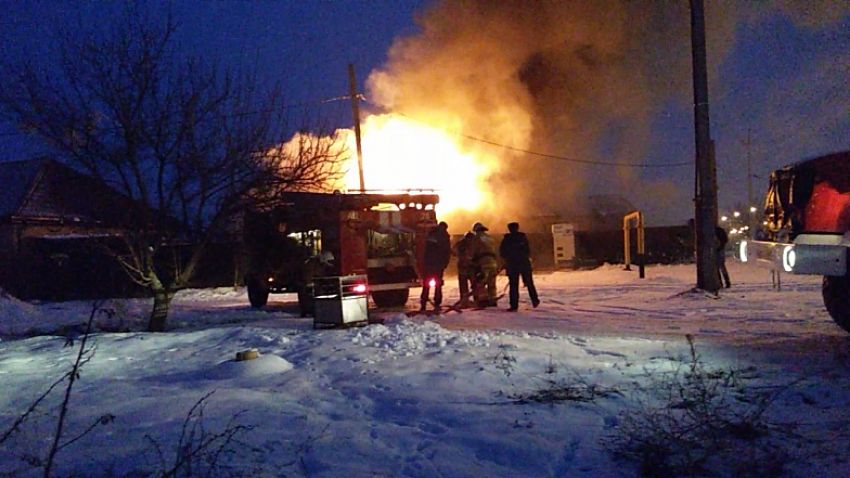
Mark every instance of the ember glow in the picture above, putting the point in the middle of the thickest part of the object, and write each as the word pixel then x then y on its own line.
pixel 400 154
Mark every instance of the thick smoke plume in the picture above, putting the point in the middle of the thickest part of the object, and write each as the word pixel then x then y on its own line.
pixel 581 79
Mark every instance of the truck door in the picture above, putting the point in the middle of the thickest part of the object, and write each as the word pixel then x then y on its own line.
pixel 352 243
pixel 424 221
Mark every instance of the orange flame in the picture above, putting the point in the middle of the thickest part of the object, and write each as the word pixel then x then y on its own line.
pixel 400 154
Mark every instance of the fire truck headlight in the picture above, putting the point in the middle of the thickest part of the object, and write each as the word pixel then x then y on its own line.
pixel 742 251
pixel 271 279
pixel 789 258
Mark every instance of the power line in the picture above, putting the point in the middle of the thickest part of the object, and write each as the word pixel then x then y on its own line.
pixel 456 133
pixel 287 107
pixel 572 160
pixel 542 155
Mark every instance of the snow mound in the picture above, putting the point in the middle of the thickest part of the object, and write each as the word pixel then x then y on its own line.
pixel 258 367
pixel 405 337
pixel 17 315
pixel 209 294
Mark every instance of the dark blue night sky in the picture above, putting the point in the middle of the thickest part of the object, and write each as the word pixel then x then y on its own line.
pixel 306 46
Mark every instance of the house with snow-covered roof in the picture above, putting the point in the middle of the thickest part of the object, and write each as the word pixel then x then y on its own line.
pixel 54 222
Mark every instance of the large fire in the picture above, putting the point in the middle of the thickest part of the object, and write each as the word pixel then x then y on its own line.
pixel 402 154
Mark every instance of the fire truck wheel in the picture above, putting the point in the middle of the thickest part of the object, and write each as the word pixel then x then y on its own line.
pixel 391 298
pixel 836 297
pixel 258 293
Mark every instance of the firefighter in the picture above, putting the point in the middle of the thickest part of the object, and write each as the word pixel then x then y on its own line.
pixel 465 269
pixel 486 266
pixel 438 251
pixel 515 252
pixel 315 266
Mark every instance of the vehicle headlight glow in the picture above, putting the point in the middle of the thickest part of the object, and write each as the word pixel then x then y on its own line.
pixel 789 258
pixel 742 251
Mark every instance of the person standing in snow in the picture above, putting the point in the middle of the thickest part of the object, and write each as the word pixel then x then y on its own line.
pixel 515 252
pixel 313 267
pixel 486 265
pixel 720 252
pixel 465 269
pixel 438 251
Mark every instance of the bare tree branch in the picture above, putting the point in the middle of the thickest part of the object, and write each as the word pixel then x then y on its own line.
pixel 188 140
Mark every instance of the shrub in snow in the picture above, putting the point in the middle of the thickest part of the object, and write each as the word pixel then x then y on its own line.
pixel 695 420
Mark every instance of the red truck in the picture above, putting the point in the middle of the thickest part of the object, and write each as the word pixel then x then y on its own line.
pixel 378 235
pixel 807 227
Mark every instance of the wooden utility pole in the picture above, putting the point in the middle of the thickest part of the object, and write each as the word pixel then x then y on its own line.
pixel 705 219
pixel 750 225
pixel 355 108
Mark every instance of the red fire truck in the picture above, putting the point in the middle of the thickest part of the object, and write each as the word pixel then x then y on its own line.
pixel 378 235
pixel 807 228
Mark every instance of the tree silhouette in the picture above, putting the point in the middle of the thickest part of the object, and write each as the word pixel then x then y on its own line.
pixel 188 141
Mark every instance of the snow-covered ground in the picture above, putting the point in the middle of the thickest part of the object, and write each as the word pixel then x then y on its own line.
pixel 604 364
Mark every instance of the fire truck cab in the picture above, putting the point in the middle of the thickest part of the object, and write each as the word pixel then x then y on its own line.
pixel 807 228
pixel 378 235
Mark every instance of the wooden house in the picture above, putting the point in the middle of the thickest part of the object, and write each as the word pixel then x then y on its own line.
pixel 54 225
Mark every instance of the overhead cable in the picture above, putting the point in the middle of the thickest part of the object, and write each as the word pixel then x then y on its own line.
pixel 542 155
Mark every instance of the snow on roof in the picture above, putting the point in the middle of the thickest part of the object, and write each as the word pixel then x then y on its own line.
pixel 44 188
pixel 16 179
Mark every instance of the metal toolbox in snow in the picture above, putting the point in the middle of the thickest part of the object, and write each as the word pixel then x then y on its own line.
pixel 341 300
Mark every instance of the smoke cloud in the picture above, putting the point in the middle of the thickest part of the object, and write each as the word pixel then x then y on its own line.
pixel 581 79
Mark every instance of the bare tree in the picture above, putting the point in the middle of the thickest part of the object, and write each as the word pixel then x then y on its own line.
pixel 186 140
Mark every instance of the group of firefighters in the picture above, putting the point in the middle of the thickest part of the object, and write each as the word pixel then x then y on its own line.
pixel 477 266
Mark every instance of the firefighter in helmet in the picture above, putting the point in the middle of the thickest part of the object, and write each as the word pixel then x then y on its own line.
pixel 486 266
pixel 465 268
pixel 435 260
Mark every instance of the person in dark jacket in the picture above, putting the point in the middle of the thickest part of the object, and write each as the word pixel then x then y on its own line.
pixel 515 253
pixel 465 268
pixel 438 252
pixel 720 252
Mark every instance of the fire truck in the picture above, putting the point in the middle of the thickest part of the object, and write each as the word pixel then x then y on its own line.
pixel 381 236
pixel 807 228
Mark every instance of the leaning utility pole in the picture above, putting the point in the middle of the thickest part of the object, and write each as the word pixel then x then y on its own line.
pixel 355 108
pixel 705 219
